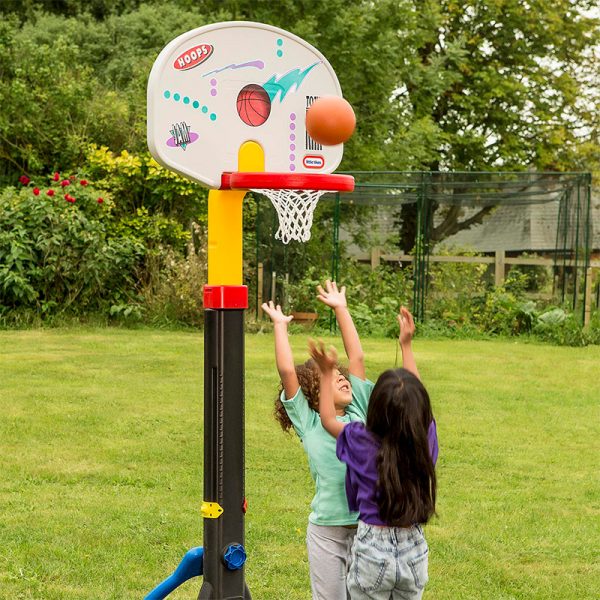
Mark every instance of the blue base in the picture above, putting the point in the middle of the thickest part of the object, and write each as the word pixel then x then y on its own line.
pixel 190 566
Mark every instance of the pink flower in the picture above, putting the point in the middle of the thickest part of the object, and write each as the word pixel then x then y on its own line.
pixel 100 200
pixel 65 182
pixel 24 179
pixel 56 176
pixel 83 182
pixel 36 191
pixel 50 193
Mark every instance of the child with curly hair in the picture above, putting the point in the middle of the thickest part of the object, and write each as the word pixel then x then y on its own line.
pixel 390 476
pixel 331 524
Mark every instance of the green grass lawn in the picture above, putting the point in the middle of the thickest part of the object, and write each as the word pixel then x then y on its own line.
pixel 101 467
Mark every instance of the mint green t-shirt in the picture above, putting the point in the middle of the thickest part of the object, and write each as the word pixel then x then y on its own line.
pixel 329 505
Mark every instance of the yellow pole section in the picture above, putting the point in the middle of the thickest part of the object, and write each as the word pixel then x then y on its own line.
pixel 225 222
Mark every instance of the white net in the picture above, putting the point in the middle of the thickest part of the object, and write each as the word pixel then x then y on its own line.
pixel 295 210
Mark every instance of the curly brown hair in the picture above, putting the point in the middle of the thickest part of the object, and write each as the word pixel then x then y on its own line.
pixel 309 378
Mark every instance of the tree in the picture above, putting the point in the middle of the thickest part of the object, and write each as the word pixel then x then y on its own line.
pixel 436 84
pixel 500 84
pixel 99 9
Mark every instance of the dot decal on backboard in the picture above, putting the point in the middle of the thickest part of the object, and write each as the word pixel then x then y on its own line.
pixel 187 100
pixel 253 105
pixel 292 145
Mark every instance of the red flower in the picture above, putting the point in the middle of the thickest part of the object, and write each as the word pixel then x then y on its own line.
pixel 56 176
pixel 69 198
pixel 50 193
pixel 72 177
pixel 36 191
pixel 100 200
pixel 65 182
pixel 83 182
pixel 24 179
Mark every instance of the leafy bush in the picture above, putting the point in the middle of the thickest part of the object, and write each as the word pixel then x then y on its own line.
pixel 561 328
pixel 374 295
pixel 138 181
pixel 531 278
pixel 67 247
pixel 302 295
pixel 503 313
pixel 51 100
pixel 594 329
pixel 58 249
pixel 175 294
pixel 456 290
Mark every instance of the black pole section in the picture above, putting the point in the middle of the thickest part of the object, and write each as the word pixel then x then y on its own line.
pixel 224 553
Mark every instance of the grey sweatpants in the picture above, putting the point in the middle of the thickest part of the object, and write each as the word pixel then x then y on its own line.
pixel 329 559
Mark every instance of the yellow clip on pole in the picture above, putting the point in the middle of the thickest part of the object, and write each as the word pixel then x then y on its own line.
pixel 211 510
pixel 225 222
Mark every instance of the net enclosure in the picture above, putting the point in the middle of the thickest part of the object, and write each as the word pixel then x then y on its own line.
pixel 414 221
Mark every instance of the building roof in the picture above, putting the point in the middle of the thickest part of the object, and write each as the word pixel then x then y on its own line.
pixel 520 228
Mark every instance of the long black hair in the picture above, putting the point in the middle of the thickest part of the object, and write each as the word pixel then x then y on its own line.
pixel 399 416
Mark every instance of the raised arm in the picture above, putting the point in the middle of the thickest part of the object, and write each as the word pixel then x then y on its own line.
pixel 407 332
pixel 283 351
pixel 327 361
pixel 336 299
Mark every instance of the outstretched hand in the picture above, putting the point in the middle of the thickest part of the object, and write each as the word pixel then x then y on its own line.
pixel 331 296
pixel 407 326
pixel 275 312
pixel 326 359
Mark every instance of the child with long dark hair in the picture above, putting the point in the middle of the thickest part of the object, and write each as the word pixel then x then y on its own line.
pixel 390 477
pixel 331 524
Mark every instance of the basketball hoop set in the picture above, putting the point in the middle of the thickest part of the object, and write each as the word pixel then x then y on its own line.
pixel 240 106
pixel 230 83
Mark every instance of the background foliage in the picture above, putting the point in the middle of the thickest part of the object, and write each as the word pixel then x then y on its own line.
pixel 482 84
pixel 436 84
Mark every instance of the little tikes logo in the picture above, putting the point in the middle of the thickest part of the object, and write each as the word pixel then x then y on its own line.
pixel 193 57
pixel 313 161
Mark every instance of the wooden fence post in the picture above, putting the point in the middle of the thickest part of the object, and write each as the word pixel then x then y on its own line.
pixel 259 291
pixel 284 300
pixel 273 286
pixel 375 257
pixel 588 299
pixel 499 268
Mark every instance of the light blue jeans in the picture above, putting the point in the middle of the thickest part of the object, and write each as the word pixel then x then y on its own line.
pixel 388 563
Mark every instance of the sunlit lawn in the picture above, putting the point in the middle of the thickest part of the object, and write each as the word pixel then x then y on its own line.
pixel 101 467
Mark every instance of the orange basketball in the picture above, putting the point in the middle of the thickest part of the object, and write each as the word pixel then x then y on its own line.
pixel 330 120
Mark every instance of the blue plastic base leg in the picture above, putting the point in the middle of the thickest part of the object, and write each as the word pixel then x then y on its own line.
pixel 190 566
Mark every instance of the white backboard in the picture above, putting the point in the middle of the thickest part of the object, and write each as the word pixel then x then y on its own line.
pixel 197 119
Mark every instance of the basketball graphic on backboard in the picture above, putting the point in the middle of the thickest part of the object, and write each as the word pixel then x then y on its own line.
pixel 253 105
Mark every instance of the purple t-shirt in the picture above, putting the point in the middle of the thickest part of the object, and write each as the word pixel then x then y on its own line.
pixel 358 448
